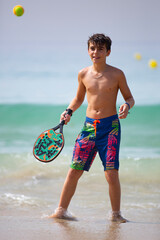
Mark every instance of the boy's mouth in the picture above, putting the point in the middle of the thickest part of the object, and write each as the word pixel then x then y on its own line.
pixel 96 57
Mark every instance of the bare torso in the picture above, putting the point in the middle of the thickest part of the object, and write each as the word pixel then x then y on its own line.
pixel 101 92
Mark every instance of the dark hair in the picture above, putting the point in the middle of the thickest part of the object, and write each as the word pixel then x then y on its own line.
pixel 100 40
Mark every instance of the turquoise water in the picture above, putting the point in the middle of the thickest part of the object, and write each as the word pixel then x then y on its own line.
pixel 20 125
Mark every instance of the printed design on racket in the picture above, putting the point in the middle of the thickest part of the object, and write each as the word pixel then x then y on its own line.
pixel 48 145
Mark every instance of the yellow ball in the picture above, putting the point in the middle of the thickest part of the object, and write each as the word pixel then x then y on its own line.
pixel 18 10
pixel 137 56
pixel 153 63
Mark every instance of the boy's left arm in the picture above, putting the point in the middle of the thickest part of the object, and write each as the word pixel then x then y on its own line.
pixel 127 95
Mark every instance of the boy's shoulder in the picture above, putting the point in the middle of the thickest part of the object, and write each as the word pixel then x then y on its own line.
pixel 116 73
pixel 82 73
pixel 115 70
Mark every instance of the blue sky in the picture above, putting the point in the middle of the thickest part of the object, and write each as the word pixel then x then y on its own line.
pixel 71 21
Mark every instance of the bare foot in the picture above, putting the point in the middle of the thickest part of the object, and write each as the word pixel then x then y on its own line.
pixel 62 213
pixel 116 217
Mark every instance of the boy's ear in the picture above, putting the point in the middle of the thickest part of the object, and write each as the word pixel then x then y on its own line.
pixel 108 53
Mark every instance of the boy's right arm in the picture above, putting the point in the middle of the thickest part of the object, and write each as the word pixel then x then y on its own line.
pixel 77 100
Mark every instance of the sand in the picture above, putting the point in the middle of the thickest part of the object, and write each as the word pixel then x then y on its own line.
pixel 27 227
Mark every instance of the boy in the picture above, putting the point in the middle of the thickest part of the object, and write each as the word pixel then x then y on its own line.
pixel 101 131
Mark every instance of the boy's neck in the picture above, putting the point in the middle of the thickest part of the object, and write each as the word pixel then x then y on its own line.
pixel 99 68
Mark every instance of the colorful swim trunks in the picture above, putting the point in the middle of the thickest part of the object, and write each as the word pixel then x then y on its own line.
pixel 102 136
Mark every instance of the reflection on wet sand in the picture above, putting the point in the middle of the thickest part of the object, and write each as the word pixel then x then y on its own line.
pixel 86 230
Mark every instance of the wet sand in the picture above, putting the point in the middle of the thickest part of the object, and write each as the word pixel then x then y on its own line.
pixel 29 227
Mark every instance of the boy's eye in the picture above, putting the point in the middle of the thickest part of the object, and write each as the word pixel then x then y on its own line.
pixel 92 48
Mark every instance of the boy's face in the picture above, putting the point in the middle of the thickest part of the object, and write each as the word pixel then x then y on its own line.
pixel 97 53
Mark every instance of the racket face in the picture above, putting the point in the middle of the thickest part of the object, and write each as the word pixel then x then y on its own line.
pixel 48 146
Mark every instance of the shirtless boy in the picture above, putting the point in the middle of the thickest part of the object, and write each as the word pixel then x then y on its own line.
pixel 101 131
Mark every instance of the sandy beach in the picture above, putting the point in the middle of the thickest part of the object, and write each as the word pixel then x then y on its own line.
pixel 30 192
pixel 28 227
pixel 27 218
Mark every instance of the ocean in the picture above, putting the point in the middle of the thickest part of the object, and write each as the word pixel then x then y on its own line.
pixel 35 88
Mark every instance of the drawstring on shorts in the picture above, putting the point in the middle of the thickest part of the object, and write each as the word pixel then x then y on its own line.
pixel 95 125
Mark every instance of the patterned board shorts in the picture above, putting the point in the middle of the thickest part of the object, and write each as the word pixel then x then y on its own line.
pixel 102 136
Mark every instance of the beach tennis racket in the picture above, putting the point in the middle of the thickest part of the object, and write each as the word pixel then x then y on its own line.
pixel 49 144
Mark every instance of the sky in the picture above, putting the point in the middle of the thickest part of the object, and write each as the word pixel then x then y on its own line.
pixel 71 22
pixel 53 34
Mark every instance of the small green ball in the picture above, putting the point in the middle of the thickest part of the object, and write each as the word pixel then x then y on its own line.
pixel 18 10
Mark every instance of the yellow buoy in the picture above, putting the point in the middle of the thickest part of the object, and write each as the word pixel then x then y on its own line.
pixel 153 63
pixel 137 56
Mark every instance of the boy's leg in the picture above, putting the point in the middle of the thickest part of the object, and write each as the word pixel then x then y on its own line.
pixel 83 155
pixel 69 187
pixel 114 188
pixel 67 193
pixel 112 178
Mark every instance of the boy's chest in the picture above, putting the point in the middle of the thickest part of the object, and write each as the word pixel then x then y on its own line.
pixel 102 84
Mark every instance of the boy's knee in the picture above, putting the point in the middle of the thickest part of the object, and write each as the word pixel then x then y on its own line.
pixel 74 174
pixel 112 176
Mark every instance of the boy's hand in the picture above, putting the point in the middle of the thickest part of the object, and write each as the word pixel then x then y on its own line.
pixel 65 116
pixel 123 111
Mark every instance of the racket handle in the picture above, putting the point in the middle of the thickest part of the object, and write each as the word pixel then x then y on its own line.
pixel 61 126
pixel 62 122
